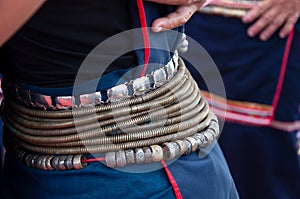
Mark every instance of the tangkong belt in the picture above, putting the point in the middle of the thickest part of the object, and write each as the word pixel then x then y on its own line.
pixel 229 8
pixel 163 123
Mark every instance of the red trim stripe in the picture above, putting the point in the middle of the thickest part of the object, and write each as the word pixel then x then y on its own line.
pixel 93 160
pixel 247 108
pixel 172 181
pixel 233 4
pixel 240 118
pixel 286 126
pixel 145 34
pixel 282 71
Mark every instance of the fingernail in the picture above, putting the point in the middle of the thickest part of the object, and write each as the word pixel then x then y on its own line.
pixel 157 29
pixel 205 4
pixel 247 18
pixel 282 35
pixel 263 37
pixel 250 33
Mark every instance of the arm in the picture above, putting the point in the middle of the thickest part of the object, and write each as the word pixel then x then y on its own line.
pixel 271 15
pixel 186 8
pixel 13 14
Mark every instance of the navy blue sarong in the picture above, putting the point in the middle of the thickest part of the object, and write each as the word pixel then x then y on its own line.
pixel 262 156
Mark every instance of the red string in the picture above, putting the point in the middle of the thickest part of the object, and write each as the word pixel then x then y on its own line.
pixel 145 34
pixel 93 160
pixel 168 172
pixel 172 181
pixel 282 71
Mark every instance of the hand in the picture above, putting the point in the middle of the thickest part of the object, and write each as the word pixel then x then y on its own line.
pixel 272 15
pixel 184 11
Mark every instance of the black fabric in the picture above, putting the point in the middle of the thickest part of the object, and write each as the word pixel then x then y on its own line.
pixel 48 50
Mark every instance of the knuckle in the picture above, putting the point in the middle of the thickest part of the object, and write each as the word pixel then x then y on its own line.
pixel 267 18
pixel 183 20
pixel 260 7
pixel 294 18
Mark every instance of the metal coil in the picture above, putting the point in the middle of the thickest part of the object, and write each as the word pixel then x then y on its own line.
pixel 174 116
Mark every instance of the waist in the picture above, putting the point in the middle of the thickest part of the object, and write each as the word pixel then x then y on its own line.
pixel 160 124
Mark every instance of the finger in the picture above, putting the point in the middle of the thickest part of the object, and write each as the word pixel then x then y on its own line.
pixel 262 22
pixel 207 2
pixel 273 26
pixel 288 26
pixel 174 2
pixel 175 19
pixel 257 11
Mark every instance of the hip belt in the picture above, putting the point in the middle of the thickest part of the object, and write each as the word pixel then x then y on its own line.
pixel 229 8
pixel 164 122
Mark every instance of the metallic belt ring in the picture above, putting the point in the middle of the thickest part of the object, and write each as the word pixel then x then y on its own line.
pixel 41 162
pixel 188 146
pixel 200 139
pixel 120 159
pixel 209 135
pixel 55 163
pixel 157 153
pixel 62 162
pixel 182 146
pixel 193 143
pixel 110 158
pixel 28 159
pixel 171 150
pixel 139 156
pixel 34 160
pixel 130 159
pixel 148 154
pixel 78 161
pixel 48 162
pixel 69 162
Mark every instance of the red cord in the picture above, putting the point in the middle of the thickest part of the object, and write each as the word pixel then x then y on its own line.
pixel 172 181
pixel 168 172
pixel 145 34
pixel 282 72
pixel 93 160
